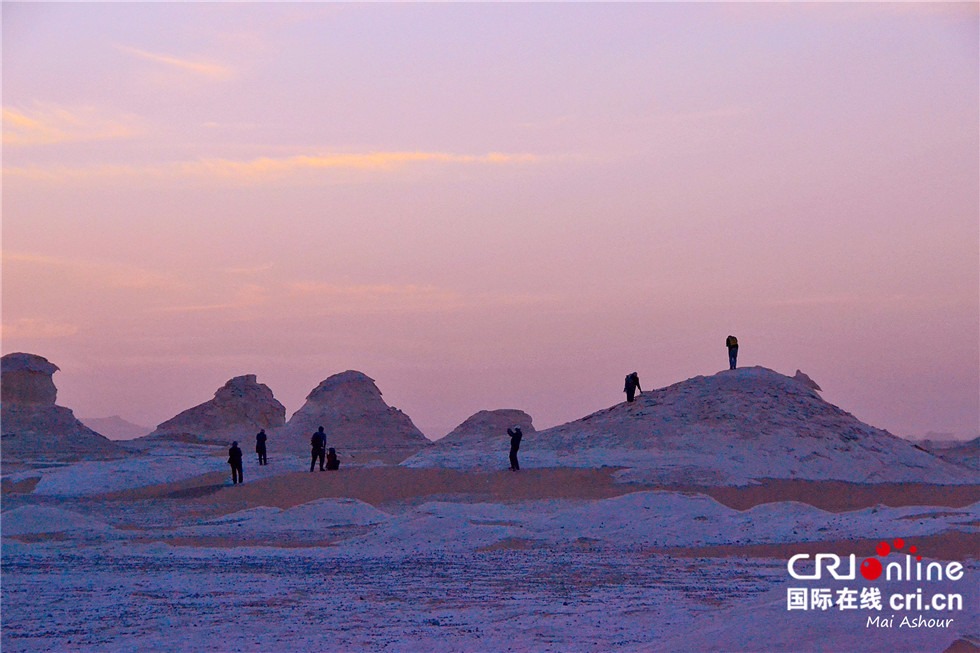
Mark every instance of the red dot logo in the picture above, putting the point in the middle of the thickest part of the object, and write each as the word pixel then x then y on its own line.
pixel 912 549
pixel 899 543
pixel 871 568
pixel 883 549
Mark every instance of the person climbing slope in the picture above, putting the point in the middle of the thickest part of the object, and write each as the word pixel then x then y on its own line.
pixel 632 385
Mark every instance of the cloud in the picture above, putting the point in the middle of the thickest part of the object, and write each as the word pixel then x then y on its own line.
pixel 36 329
pixel 46 124
pixel 256 269
pixel 403 298
pixel 270 168
pixel 855 300
pixel 112 275
pixel 356 298
pixel 247 296
pixel 206 69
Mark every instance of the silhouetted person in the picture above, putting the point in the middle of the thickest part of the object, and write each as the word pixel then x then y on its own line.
pixel 235 460
pixel 260 439
pixel 515 444
pixel 318 444
pixel 732 343
pixel 632 385
pixel 332 462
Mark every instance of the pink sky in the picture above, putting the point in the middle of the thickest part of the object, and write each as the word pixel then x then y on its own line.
pixel 489 206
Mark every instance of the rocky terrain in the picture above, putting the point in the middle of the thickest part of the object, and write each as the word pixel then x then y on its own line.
pixel 239 409
pixel 356 419
pixel 35 428
pixel 732 427
pixel 663 525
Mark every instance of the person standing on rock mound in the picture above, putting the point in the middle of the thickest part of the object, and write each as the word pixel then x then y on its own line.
pixel 515 444
pixel 632 385
pixel 235 460
pixel 732 343
pixel 260 439
pixel 318 444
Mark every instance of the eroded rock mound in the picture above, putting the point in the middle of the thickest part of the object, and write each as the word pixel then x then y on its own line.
pixel 239 409
pixel 489 426
pixel 356 419
pixel 34 427
pixel 729 428
pixel 806 380
pixel 27 380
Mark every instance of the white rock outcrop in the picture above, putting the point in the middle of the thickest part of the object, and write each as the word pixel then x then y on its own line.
pixel 355 417
pixel 34 426
pixel 729 428
pixel 488 426
pixel 240 408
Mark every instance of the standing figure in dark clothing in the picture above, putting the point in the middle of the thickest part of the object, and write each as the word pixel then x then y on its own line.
pixel 632 385
pixel 235 460
pixel 318 443
pixel 332 462
pixel 515 444
pixel 260 439
pixel 732 343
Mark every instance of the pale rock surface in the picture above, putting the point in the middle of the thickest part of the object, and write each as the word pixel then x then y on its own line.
pixel 27 380
pixel 240 408
pixel 34 427
pixel 963 453
pixel 806 380
pixel 355 417
pixel 488 425
pixel 729 428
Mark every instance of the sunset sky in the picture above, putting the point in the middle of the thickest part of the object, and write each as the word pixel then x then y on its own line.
pixel 494 206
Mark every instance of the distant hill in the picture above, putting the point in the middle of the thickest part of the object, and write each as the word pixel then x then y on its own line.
pixel 728 428
pixel 115 427
pixel 960 452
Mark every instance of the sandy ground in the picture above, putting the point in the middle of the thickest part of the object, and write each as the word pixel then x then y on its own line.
pixel 446 560
pixel 384 486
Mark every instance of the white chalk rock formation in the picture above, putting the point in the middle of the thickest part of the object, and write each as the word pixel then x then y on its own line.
pixel 34 426
pixel 240 408
pixel 806 380
pixel 730 428
pixel 488 426
pixel 355 418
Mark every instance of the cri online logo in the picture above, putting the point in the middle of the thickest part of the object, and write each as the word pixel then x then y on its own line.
pixel 872 568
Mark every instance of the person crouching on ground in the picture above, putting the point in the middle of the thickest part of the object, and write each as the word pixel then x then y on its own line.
pixel 235 460
pixel 515 444
pixel 332 462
